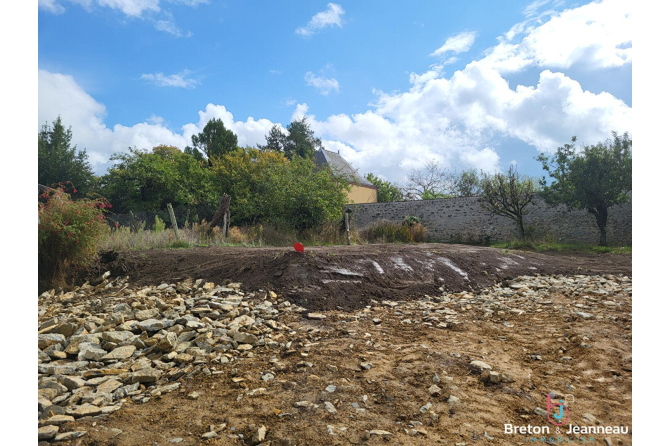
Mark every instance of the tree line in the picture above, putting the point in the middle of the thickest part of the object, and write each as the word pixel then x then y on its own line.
pixel 279 183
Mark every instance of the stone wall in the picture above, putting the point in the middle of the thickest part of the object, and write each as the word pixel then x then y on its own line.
pixel 464 220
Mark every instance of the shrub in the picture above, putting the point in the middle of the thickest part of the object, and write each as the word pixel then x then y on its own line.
pixel 411 220
pixel 236 236
pixel 385 231
pixel 68 234
pixel 159 224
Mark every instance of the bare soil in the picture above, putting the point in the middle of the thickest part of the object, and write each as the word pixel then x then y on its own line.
pixel 340 282
pixel 347 277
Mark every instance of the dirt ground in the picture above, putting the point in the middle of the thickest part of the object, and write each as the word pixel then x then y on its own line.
pixel 347 277
pixel 407 356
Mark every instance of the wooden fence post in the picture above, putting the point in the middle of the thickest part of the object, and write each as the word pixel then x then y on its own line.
pixel 173 220
pixel 346 227
pixel 188 215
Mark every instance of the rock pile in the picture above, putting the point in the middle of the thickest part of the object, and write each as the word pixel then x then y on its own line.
pixel 110 343
pixel 101 346
pixel 592 297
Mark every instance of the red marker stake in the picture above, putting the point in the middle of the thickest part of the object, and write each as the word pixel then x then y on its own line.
pixel 298 247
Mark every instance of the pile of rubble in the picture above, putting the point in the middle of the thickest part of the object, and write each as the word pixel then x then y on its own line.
pixel 109 343
pixel 101 346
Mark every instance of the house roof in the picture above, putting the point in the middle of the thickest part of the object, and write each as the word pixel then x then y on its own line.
pixel 340 166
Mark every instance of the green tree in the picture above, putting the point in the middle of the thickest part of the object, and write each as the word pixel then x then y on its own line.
pixel 148 181
pixel 214 140
pixel 298 141
pixel 595 178
pixel 508 195
pixel 57 162
pixel 386 192
pixel 467 184
pixel 275 140
pixel 266 188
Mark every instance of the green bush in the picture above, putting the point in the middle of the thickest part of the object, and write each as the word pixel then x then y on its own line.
pixel 159 224
pixel 68 234
pixel 385 231
pixel 179 244
pixel 266 188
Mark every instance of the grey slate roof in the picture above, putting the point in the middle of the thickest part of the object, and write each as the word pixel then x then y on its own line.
pixel 340 166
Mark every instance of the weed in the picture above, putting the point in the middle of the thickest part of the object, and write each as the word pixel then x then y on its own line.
pixel 69 233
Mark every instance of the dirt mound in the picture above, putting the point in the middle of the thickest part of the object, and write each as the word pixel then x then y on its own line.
pixel 347 277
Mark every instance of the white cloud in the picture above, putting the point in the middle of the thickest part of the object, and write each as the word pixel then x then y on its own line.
pixel 249 132
pixel 133 8
pixel 458 119
pixel 332 16
pixel 179 80
pixel 51 6
pixel 299 112
pixel 321 83
pixel 533 8
pixel 597 35
pixel 59 94
pixel 170 26
pixel 456 44
pixel 192 3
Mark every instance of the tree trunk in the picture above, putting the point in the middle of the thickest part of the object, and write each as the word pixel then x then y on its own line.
pixel 600 213
pixel 522 230
pixel 223 210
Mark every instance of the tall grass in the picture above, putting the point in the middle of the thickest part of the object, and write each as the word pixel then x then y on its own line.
pixel 123 238
pixel 385 231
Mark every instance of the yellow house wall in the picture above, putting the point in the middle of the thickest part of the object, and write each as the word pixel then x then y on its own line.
pixel 360 194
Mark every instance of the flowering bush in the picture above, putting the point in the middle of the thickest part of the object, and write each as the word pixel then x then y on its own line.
pixel 68 233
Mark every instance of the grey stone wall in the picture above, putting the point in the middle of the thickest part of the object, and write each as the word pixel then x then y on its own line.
pixel 464 220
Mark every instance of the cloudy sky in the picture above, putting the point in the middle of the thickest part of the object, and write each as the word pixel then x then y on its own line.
pixel 390 84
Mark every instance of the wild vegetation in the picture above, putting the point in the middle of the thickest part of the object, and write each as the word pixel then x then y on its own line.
pixel 69 232
pixel 594 178
pixel 279 194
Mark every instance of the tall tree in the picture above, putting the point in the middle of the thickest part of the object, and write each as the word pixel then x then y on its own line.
pixel 595 178
pixel 301 141
pixel 508 195
pixel 297 142
pixel 57 162
pixel 148 181
pixel 275 140
pixel 386 192
pixel 265 187
pixel 214 140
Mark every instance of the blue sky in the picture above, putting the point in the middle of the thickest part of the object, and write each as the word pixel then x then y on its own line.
pixel 390 84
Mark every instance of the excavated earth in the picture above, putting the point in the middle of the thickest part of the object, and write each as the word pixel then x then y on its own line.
pixel 377 344
pixel 347 277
